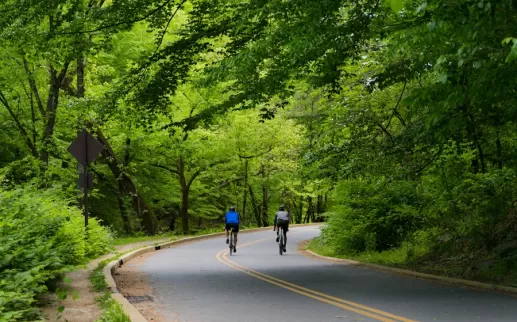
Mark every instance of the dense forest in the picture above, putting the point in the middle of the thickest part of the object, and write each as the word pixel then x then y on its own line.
pixel 390 120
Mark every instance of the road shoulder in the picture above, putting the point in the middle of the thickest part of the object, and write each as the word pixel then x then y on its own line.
pixel 303 248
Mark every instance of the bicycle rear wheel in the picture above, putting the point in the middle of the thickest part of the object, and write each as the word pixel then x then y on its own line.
pixel 281 241
pixel 231 242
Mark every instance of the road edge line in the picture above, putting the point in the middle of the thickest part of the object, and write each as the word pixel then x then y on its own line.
pixel 512 291
pixel 129 309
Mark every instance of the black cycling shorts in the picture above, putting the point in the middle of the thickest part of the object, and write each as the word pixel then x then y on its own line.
pixel 283 223
pixel 234 226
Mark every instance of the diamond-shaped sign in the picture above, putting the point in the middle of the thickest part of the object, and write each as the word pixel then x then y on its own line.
pixel 85 148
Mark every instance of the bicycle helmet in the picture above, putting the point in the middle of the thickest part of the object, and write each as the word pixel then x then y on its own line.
pixel 282 208
pixel 232 208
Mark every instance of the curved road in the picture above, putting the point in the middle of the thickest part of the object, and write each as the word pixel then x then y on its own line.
pixel 200 282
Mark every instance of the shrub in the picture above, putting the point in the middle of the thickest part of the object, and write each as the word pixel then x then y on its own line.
pixel 41 236
pixel 373 216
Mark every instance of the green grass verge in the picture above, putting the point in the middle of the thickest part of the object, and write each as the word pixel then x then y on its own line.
pixel 398 257
pixel 112 311
pixel 122 241
pixel 131 240
pixel 414 257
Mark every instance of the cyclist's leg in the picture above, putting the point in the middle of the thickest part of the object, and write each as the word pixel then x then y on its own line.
pixel 227 233
pixel 277 231
pixel 235 233
pixel 286 229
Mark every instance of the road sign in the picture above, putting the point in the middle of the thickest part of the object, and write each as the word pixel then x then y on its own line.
pixel 85 148
pixel 86 183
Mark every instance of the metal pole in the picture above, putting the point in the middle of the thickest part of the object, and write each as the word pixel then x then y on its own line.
pixel 86 182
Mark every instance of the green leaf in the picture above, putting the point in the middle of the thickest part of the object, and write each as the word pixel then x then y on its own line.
pixel 396 5
pixel 507 40
pixel 67 280
pixel 422 7
pixel 61 309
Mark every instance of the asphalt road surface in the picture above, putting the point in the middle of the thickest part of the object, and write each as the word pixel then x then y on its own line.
pixel 200 282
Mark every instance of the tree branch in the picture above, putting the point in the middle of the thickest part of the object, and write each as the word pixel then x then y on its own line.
pixel 395 112
pixel 222 185
pixel 256 155
pixel 162 167
pixel 422 168
pixel 20 127
pixel 160 41
pixel 128 22
pixel 199 171
pixel 33 86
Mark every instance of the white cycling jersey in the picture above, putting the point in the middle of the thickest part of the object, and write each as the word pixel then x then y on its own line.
pixel 282 215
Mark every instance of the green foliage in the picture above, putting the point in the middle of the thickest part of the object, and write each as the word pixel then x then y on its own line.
pixel 373 216
pixel 112 311
pixel 41 236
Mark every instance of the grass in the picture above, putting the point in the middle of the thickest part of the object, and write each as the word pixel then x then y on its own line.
pixel 97 276
pixel 112 311
pixel 169 236
pixel 415 258
pixel 131 240
pixel 399 257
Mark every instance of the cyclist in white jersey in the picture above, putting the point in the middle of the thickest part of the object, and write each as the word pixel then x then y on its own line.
pixel 282 220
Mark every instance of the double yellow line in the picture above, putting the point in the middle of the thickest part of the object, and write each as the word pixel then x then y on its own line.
pixel 378 315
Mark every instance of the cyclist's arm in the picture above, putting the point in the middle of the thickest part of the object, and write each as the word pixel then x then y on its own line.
pixel 274 221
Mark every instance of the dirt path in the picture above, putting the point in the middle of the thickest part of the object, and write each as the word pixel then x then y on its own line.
pixel 84 308
pixel 136 287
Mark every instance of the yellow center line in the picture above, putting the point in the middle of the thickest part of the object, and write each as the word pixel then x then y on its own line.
pixel 347 305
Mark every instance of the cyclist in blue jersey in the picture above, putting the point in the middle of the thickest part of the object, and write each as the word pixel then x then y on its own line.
pixel 232 221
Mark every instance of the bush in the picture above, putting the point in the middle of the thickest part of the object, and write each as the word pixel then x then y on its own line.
pixel 373 216
pixel 41 236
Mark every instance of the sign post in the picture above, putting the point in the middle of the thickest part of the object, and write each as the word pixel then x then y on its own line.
pixel 85 148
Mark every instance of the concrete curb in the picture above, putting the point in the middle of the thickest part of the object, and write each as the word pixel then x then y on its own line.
pixel 110 268
pixel 448 280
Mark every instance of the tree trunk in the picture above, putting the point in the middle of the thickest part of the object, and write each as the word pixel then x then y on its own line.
pixel 172 225
pixel 124 212
pixel 184 196
pixel 255 207
pixel 50 115
pixel 81 66
pixel 310 211
pixel 184 211
pixel 299 215
pixel 319 205
pixel 499 158
pixel 245 193
pixel 291 204
pixel 265 199
pixel 128 188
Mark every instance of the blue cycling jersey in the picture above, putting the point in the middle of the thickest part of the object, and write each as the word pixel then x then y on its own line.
pixel 232 217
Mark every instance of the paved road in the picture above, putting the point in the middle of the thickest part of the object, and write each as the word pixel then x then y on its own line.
pixel 200 282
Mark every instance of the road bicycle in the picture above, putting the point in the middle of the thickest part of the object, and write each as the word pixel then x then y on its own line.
pixel 281 242
pixel 231 241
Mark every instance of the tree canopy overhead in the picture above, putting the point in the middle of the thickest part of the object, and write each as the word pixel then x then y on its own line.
pixel 393 120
